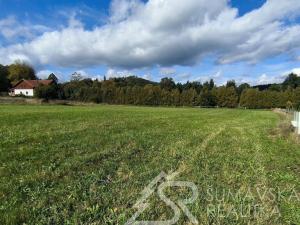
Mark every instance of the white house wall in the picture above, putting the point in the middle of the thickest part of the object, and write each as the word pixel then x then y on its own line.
pixel 26 92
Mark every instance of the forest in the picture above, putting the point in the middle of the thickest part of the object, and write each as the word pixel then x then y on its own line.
pixel 133 90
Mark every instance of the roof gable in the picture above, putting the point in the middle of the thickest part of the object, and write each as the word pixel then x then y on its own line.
pixel 31 84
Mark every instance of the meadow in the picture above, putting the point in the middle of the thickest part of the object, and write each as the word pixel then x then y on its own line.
pixel 89 164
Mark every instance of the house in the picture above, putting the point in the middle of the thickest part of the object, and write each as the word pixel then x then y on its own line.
pixel 26 87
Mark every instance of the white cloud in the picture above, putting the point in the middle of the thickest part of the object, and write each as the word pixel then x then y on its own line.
pixel 74 22
pixel 122 9
pixel 112 73
pixel 83 73
pixel 97 77
pixel 275 77
pixel 167 33
pixel 10 28
pixel 147 76
pixel 183 76
pixel 295 71
pixel 263 79
pixel 167 72
pixel 43 74
pixel 171 72
pixel 217 75
pixel 269 79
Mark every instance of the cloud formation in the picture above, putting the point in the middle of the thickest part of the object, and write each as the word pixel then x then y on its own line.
pixel 295 71
pixel 110 73
pixel 272 79
pixel 167 33
pixel 11 29
pixel 266 79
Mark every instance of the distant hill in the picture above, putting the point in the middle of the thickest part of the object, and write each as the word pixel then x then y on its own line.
pixel 263 87
pixel 132 81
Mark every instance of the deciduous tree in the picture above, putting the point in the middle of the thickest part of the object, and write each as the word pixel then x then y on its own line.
pixel 19 71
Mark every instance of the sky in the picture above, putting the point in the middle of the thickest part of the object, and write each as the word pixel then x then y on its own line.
pixel 253 41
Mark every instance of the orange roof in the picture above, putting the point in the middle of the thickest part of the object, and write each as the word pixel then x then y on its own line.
pixel 31 84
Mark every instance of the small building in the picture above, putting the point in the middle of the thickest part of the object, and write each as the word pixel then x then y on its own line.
pixel 26 87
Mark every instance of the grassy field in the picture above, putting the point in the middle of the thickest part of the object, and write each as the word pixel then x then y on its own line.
pixel 89 165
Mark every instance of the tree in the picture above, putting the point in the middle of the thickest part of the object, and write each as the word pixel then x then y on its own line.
pixel 166 97
pixel 131 81
pixel 167 84
pixel 250 98
pixel 275 87
pixel 151 95
pixel 175 94
pixel 242 87
pixel 231 83
pixel 76 76
pixel 289 105
pixel 210 85
pixel 189 97
pixel 206 98
pixel 19 71
pixel 292 81
pixel 108 90
pixel 53 77
pixel 197 86
pixel 227 97
pixel 4 82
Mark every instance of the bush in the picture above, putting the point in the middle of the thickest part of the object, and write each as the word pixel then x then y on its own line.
pixel 46 92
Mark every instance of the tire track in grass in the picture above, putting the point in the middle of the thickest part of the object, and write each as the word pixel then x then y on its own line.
pixel 261 184
pixel 183 166
pixel 207 141
pixel 258 183
pixel 211 137
pixel 187 166
pixel 200 154
pixel 257 169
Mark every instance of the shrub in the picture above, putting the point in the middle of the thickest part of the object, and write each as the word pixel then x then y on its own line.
pixel 46 92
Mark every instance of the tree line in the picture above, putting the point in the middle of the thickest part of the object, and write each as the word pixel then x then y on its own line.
pixel 137 91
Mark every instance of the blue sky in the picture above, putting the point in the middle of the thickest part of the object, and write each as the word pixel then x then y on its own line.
pixel 253 41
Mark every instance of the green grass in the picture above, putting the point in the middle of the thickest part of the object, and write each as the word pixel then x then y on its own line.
pixel 88 165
